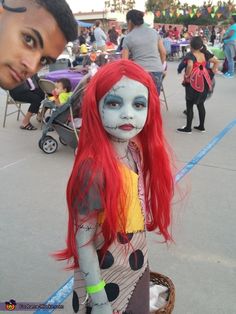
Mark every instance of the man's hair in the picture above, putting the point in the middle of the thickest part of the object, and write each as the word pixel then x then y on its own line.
pixel 63 15
pixel 135 16
pixel 65 83
pixel 234 17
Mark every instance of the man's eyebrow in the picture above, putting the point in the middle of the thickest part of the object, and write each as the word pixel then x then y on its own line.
pixel 40 40
pixel 39 37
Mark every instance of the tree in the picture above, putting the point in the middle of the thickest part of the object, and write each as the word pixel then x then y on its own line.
pixel 119 5
pixel 154 5
pixel 174 12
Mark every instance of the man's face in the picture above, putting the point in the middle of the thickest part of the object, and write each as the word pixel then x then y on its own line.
pixel 28 41
pixel 129 25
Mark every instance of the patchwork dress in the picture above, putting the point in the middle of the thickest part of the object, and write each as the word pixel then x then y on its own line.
pixel 125 265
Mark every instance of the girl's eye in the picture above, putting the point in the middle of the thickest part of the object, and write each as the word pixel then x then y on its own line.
pixel 112 105
pixel 139 106
pixel 29 40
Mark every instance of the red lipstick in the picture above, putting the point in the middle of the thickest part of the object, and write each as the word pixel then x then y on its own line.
pixel 126 127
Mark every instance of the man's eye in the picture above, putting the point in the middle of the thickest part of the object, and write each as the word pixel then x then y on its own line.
pixel 44 61
pixel 29 40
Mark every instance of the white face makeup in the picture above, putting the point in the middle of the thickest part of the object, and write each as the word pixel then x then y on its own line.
pixel 123 110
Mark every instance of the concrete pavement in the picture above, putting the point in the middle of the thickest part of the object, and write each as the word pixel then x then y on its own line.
pixel 201 263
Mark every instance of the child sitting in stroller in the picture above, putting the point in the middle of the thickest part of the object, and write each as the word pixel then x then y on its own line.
pixel 62 91
pixel 65 120
pixel 61 94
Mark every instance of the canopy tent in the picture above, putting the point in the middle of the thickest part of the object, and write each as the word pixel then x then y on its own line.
pixel 84 24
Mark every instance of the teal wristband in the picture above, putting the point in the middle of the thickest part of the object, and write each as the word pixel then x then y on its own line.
pixel 96 288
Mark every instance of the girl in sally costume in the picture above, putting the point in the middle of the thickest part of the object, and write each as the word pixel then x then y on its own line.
pixel 197 82
pixel 121 185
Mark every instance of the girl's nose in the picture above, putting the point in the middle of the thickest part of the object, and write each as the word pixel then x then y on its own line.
pixel 127 113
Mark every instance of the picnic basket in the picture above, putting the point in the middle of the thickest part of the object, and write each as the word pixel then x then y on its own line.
pixel 160 279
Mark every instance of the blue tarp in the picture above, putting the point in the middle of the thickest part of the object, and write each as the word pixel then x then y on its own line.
pixel 84 24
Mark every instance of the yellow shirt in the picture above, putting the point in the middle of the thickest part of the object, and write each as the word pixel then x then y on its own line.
pixel 63 97
pixel 132 204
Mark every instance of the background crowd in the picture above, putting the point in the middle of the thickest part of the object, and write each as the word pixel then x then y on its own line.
pixel 148 46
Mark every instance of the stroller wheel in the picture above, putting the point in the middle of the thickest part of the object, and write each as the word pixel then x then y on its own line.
pixel 62 142
pixel 49 145
pixel 40 144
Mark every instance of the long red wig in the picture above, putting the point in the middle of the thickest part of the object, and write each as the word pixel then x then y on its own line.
pixel 94 145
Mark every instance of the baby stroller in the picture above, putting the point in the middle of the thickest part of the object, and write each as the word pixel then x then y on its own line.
pixel 62 120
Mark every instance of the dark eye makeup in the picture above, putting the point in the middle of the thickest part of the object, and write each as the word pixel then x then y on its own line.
pixel 115 101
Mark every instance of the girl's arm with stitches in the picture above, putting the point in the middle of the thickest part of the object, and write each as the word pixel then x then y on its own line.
pixel 89 265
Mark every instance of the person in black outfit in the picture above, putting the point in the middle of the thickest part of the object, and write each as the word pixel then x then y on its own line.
pixel 82 39
pixel 213 35
pixel 113 35
pixel 91 35
pixel 29 92
pixel 122 37
pixel 198 82
pixel 183 64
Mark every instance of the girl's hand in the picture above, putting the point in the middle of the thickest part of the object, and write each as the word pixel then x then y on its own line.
pixel 186 79
pixel 214 70
pixel 102 309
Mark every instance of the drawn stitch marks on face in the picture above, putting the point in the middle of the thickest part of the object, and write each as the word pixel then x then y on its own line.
pixel 123 110
pixel 115 89
pixel 87 227
pixel 117 127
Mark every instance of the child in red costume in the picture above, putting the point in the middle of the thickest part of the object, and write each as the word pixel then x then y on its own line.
pixel 197 82
pixel 120 187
